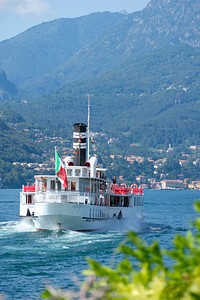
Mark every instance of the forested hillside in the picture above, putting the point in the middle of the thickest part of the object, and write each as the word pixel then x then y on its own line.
pixel 152 100
pixel 17 145
pixel 7 88
pixel 142 74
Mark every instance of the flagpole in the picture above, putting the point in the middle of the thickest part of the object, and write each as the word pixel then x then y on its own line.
pixel 55 152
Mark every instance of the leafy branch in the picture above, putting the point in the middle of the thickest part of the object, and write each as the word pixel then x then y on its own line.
pixel 143 272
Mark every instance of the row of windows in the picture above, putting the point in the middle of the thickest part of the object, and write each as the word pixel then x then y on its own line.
pixel 138 201
pixel 84 186
pixel 83 172
pixel 97 213
pixel 119 201
pixel 71 185
pixel 125 201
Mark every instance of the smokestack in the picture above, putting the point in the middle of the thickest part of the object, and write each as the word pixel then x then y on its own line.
pixel 79 144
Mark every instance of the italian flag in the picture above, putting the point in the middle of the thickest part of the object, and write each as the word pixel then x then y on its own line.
pixel 60 170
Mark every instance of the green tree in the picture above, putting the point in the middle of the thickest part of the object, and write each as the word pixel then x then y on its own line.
pixel 171 167
pixel 143 273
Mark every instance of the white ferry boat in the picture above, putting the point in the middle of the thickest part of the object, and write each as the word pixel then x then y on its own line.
pixel 79 197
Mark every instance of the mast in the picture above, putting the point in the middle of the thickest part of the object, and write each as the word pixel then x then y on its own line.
pixel 88 128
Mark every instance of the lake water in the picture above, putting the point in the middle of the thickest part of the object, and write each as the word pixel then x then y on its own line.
pixel 29 259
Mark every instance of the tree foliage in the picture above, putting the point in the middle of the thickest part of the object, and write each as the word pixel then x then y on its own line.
pixel 153 100
pixel 143 272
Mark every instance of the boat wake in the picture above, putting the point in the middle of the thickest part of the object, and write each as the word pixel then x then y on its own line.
pixel 72 238
pixel 155 228
pixel 148 228
pixel 24 226
pixel 15 226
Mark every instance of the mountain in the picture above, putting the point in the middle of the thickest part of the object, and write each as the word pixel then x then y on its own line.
pixel 7 88
pixel 153 100
pixel 49 55
pixel 160 24
pixel 43 48
pixel 142 68
pixel 16 141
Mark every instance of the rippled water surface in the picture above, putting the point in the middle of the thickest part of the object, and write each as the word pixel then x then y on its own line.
pixel 29 259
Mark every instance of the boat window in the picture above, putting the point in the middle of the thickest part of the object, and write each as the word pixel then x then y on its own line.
pixel 28 199
pixel 59 185
pixel 115 201
pixel 93 187
pixel 126 202
pixel 73 185
pixel 69 172
pixel 111 201
pixel 52 185
pixel 84 185
pixel 77 172
pixel 106 201
pixel 103 186
pixel 44 185
pixel 84 172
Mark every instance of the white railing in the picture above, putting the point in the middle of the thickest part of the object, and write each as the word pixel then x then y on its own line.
pixel 62 197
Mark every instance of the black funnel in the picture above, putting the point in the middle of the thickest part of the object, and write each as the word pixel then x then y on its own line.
pixel 79 144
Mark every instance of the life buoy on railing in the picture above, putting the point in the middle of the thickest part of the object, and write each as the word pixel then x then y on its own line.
pixel 134 188
pixel 134 185
pixel 123 189
pixel 123 185
pixel 114 187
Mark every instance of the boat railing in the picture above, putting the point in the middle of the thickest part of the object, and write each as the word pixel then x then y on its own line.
pixel 28 188
pixel 124 190
pixel 50 196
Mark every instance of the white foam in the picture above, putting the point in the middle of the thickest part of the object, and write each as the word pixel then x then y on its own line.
pixel 24 225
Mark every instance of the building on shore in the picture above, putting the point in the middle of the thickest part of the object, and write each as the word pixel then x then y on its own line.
pixel 168 184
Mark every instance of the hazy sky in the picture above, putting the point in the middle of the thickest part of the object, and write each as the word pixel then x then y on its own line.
pixel 19 15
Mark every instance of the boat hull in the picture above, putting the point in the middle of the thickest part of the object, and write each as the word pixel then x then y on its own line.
pixel 65 216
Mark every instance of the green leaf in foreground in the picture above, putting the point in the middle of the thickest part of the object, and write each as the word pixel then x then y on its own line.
pixel 143 273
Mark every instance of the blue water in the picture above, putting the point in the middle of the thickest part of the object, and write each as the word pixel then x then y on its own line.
pixel 29 260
